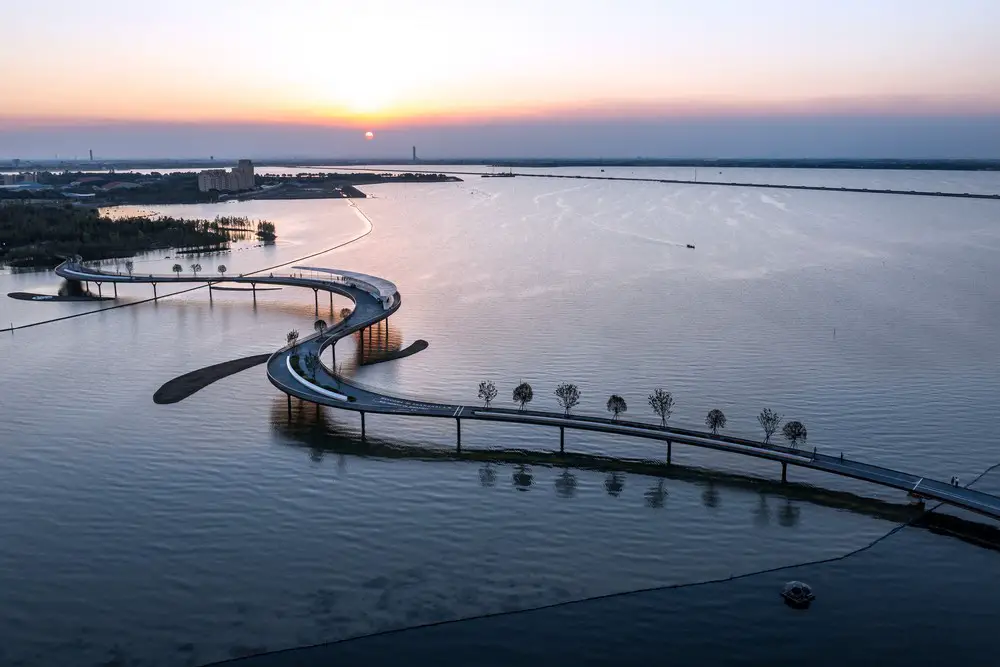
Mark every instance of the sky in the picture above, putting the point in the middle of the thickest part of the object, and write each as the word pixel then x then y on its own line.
pixel 506 78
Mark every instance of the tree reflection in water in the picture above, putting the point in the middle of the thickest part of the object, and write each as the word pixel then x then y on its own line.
pixel 487 476
pixel 710 496
pixel 656 495
pixel 789 514
pixel 522 478
pixel 614 484
pixel 566 484
pixel 761 513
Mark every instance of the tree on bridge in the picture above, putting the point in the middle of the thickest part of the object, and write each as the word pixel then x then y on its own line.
pixel 662 403
pixel 715 420
pixel 129 266
pixel 195 268
pixel 769 420
pixel 292 337
pixel 617 405
pixel 523 394
pixel 487 392
pixel 177 268
pixel 222 270
pixel 568 396
pixel 319 326
pixel 345 313
pixel 793 432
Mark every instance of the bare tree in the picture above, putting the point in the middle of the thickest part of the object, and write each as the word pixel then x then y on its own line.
pixel 487 392
pixel 177 268
pixel 617 405
pixel 662 403
pixel 292 337
pixel 319 326
pixel 715 420
pixel 769 421
pixel 345 313
pixel 222 270
pixel 523 394
pixel 195 268
pixel 794 431
pixel 568 396
pixel 129 266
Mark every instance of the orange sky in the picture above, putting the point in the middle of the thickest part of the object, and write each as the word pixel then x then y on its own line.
pixel 396 61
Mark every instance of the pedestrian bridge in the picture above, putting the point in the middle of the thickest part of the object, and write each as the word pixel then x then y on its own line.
pixel 374 303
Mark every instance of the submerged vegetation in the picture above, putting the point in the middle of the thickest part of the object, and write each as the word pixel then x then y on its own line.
pixel 42 235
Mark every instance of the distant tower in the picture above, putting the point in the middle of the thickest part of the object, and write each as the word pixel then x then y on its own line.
pixel 414 153
pixel 91 154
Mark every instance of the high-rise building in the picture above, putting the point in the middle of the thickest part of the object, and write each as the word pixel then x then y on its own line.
pixel 244 168
pixel 414 153
pixel 239 178
pixel 26 177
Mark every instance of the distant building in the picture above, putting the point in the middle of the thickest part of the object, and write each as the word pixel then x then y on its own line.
pixel 239 178
pixel 15 179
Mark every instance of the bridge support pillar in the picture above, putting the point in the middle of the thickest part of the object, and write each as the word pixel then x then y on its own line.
pixel 154 292
pixel 362 425
pixel 331 306
pixel 361 339
pixel 115 285
pixel 289 397
pixel 253 288
pixel 210 301
pixel 458 435
pixel 784 472
pixel 316 300
pixel 562 440
pixel 669 450
pixel 100 295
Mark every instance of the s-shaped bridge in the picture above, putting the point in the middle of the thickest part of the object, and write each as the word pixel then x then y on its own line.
pixel 375 299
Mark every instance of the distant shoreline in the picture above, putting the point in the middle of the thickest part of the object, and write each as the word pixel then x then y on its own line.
pixel 885 164
pixel 734 184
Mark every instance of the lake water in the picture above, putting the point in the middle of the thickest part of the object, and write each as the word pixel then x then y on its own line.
pixel 220 526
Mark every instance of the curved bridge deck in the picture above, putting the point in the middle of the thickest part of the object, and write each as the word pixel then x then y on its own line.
pixel 328 388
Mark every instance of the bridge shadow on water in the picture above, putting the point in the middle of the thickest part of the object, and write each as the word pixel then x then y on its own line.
pixel 311 427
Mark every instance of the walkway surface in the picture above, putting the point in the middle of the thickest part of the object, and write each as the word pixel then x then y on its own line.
pixel 285 371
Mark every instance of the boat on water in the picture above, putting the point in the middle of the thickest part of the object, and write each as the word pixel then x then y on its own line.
pixel 690 245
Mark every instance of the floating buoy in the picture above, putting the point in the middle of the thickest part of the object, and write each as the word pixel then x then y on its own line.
pixel 797 594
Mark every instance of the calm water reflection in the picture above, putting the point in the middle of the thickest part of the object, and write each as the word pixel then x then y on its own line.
pixel 220 525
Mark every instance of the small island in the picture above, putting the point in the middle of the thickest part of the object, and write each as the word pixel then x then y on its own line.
pixel 40 235
pixel 116 188
pixel 333 185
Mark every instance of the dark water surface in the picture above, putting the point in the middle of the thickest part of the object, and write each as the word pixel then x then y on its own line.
pixel 221 526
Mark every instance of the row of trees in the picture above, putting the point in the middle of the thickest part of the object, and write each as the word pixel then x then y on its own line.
pixel 660 401
pixel 195 268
